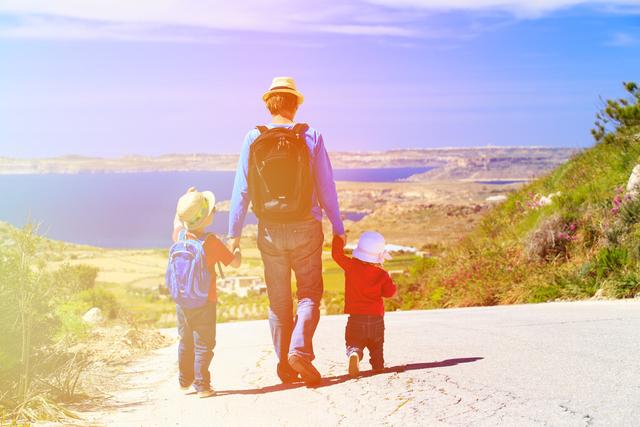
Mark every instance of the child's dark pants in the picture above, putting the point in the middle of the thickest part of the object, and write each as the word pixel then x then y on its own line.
pixel 366 331
pixel 197 330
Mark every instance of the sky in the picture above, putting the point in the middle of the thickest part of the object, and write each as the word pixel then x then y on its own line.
pixel 112 78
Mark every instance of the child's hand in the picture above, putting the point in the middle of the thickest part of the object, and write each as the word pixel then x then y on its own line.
pixel 342 237
pixel 237 261
pixel 233 243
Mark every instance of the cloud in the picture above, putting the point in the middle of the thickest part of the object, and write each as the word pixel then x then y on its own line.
pixel 517 8
pixel 36 27
pixel 149 19
pixel 623 40
pixel 210 21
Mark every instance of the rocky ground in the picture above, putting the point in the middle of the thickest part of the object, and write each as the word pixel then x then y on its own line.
pixel 419 214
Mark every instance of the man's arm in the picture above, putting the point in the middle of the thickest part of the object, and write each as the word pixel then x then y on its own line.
pixel 240 195
pixel 326 187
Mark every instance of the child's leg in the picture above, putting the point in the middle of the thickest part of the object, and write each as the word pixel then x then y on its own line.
pixel 375 344
pixel 185 349
pixel 204 328
pixel 355 337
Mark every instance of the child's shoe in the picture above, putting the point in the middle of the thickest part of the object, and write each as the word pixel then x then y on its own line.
pixel 186 388
pixel 354 362
pixel 207 392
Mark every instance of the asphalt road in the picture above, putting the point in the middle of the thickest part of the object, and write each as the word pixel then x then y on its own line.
pixel 558 364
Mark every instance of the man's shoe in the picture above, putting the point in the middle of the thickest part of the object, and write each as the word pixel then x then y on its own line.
pixel 305 368
pixel 208 392
pixel 286 373
pixel 354 362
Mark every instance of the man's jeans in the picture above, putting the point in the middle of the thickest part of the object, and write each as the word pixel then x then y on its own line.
pixel 197 329
pixel 366 331
pixel 298 247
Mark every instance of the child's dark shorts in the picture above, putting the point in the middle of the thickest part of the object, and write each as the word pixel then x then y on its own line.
pixel 362 331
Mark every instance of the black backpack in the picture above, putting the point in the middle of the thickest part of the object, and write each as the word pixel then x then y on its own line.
pixel 279 176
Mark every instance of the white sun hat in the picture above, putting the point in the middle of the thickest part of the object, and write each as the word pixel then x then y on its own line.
pixel 371 248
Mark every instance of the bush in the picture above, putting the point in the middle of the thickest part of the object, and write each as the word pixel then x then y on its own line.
pixel 39 311
pixel 544 293
pixel 610 260
pixel 75 278
pixel 626 286
pixel 550 240
pixel 333 302
pixel 580 284
pixel 100 298
pixel 630 212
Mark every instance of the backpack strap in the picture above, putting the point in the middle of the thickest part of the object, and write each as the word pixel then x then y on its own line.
pixel 183 234
pixel 262 129
pixel 300 128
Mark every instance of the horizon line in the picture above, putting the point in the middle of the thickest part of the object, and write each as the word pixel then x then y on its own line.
pixel 212 154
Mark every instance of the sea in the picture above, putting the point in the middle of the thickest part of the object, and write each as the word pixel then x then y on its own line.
pixel 131 210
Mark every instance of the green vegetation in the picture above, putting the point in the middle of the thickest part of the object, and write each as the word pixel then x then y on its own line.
pixel 40 316
pixel 529 250
pixel 154 308
pixel 46 349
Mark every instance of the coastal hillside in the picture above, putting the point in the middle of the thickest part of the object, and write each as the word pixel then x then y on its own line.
pixel 451 163
pixel 572 234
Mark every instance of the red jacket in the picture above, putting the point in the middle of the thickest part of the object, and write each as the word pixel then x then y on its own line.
pixel 365 284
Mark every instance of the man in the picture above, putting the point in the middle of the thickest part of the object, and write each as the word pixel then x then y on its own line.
pixel 290 233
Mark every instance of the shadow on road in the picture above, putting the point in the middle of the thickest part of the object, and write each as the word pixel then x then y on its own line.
pixel 339 379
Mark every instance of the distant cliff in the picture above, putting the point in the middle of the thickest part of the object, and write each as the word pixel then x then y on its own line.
pixel 449 160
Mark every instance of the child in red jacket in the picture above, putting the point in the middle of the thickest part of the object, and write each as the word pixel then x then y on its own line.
pixel 366 283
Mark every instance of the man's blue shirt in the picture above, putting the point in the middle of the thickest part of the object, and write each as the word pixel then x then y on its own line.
pixel 324 194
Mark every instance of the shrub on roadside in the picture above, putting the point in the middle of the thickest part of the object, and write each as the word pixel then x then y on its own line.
pixel 585 238
pixel 40 312
pixel 550 240
pixel 75 278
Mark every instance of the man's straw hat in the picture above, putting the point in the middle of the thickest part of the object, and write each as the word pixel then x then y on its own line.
pixel 194 207
pixel 283 85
